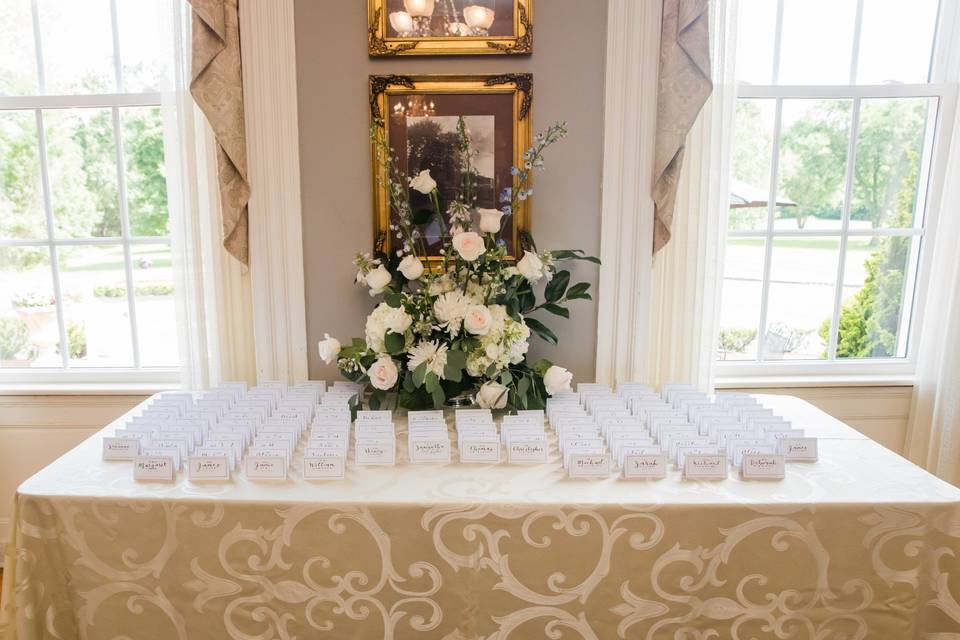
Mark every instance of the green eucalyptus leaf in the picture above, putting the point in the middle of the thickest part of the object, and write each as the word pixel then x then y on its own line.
pixel 541 330
pixel 432 382
pixel 453 373
pixel 574 254
pixel 456 359
pixel 557 310
pixel 394 343
pixel 392 299
pixel 506 378
pixel 419 374
pixel 438 397
pixel 579 291
pixel 557 286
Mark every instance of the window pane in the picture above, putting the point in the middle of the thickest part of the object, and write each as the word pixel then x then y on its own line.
pixel 817 41
pixel 874 282
pixel 28 312
pixel 752 150
pixel 156 315
pixel 888 162
pixel 896 40
pixel 93 282
pixel 803 275
pixel 21 198
pixel 756 31
pixel 18 62
pixel 83 172
pixel 740 306
pixel 145 45
pixel 814 138
pixel 77 40
pixel 146 182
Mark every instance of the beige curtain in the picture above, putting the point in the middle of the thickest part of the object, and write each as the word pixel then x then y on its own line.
pixel 683 87
pixel 217 87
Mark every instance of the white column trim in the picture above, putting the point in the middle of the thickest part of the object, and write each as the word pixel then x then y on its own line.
pixel 626 241
pixel 273 164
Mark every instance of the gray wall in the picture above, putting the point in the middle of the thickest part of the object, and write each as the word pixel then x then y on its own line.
pixel 332 69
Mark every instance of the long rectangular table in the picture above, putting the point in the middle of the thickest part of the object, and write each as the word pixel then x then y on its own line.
pixel 862 544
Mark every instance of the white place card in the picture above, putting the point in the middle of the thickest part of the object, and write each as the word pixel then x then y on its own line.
pixel 589 465
pixel 266 468
pixel 200 468
pixel 430 449
pixel 799 449
pixel 521 451
pixel 153 468
pixel 327 467
pixel 162 452
pixel 120 448
pixel 705 466
pixel 645 465
pixel 485 451
pixel 762 466
pixel 375 451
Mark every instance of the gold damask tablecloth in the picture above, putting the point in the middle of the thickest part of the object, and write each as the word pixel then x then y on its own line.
pixel 861 544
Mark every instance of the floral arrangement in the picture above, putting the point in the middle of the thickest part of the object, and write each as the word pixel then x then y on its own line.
pixel 457 327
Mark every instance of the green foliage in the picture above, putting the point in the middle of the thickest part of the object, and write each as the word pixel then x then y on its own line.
pixel 32 299
pixel 735 340
pixel 77 339
pixel 14 338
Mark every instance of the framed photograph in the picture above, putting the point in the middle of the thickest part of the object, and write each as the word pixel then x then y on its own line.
pixel 449 27
pixel 468 131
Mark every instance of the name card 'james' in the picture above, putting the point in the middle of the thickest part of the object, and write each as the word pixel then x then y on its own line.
pixel 705 466
pixel 650 465
pixel 120 448
pixel 525 452
pixel 153 468
pixel 323 467
pixel 802 449
pixel 589 465
pixel 200 468
pixel 267 468
pixel 762 466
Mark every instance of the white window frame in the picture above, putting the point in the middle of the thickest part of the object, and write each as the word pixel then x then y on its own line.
pixel 939 135
pixel 67 374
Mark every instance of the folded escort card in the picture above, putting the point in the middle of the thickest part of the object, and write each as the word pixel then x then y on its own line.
pixel 121 448
pixel 798 449
pixel 202 468
pixel 762 466
pixel 153 468
pixel 323 467
pixel 705 466
pixel 375 451
pixel 589 465
pixel 428 447
pixel 645 465
pixel 266 468
pixel 480 449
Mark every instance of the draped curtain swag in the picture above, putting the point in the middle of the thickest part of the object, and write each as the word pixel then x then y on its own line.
pixel 217 87
pixel 683 87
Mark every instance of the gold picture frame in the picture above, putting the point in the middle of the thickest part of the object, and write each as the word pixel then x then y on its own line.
pixel 498 105
pixel 510 34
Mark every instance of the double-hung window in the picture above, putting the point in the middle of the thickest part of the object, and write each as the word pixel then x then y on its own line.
pixel 841 125
pixel 86 282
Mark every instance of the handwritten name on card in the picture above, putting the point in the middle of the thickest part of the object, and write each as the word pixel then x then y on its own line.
pixel 323 467
pixel 758 466
pixel 525 452
pixel 589 465
pixel 267 468
pixel 153 468
pixel 479 451
pixel 375 451
pixel 120 448
pixel 199 468
pixel 705 466
pixel 430 450
pixel 799 449
pixel 648 465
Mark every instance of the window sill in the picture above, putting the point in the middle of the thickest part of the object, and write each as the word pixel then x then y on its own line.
pixel 805 381
pixel 88 388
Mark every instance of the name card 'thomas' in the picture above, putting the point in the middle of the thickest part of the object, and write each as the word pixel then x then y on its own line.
pixel 705 466
pixel 375 451
pixel 200 468
pixel 802 449
pixel 120 448
pixel 526 451
pixel 323 467
pixel 480 450
pixel 589 465
pixel 646 465
pixel 762 466
pixel 153 468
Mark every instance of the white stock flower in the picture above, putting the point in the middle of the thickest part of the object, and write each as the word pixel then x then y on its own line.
pixel 450 309
pixel 433 353
pixel 492 395
pixel 490 220
pixel 397 320
pixel 378 279
pixel 411 267
pixel 530 266
pixel 557 379
pixel 469 244
pixel 383 373
pixel 329 349
pixel 477 320
pixel 422 182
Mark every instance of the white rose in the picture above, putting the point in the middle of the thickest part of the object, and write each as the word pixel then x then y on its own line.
pixel 378 279
pixel 490 220
pixel 477 320
pixel 557 379
pixel 530 266
pixel 422 182
pixel 383 373
pixel 469 244
pixel 492 395
pixel 397 320
pixel 411 267
pixel 329 348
